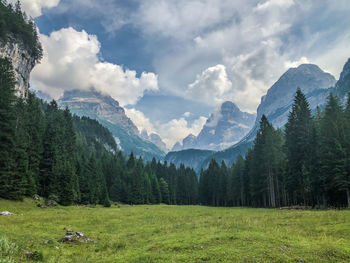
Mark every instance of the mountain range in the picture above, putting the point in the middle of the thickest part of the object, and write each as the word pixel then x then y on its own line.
pixel 276 105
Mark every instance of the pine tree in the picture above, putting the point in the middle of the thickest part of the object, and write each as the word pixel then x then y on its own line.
pixel 298 133
pixel 10 183
pixel 164 191
pixel 333 153
pixel 346 180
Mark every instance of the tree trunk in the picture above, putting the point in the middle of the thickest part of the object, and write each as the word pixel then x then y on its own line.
pixel 348 195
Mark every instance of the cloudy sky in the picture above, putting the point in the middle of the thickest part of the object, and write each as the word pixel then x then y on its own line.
pixel 172 62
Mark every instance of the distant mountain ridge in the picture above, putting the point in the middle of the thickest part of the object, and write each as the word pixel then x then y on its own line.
pixel 222 129
pixel 276 104
pixel 109 113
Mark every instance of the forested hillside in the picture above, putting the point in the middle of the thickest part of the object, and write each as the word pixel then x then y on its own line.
pixel 47 151
pixel 306 164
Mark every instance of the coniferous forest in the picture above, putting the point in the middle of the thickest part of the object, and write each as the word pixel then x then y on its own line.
pixel 72 160
pixel 45 150
pixel 307 163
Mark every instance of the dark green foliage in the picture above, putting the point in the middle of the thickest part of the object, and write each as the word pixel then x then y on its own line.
pixel 14 24
pixel 10 183
pixel 309 164
pixel 75 160
pixel 299 132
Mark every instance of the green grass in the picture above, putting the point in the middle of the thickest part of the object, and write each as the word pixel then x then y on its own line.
pixel 164 233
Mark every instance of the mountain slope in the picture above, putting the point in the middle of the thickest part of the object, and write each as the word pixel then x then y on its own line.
pixel 190 158
pixel 108 112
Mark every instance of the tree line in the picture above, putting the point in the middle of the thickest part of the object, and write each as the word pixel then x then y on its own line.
pixel 45 150
pixel 75 160
pixel 307 163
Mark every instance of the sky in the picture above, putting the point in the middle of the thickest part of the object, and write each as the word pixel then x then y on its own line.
pixel 171 63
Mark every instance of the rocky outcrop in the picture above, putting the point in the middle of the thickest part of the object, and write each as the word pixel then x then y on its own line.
pixel 110 114
pixel 101 105
pixel 342 87
pixel 22 62
pixel 153 138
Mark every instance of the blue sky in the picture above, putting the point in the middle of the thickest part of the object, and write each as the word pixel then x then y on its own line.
pixel 172 62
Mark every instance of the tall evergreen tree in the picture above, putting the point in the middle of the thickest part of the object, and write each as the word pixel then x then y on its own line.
pixel 10 182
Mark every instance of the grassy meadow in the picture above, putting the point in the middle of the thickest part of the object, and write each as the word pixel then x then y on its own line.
pixel 162 233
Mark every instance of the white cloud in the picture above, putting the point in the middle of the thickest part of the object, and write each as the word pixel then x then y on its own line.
pixel 34 7
pixel 177 129
pixel 170 132
pixel 187 114
pixel 294 64
pixel 254 40
pixel 275 3
pixel 140 120
pixel 211 87
pixel 72 61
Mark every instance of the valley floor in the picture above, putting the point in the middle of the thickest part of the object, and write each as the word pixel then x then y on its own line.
pixel 162 233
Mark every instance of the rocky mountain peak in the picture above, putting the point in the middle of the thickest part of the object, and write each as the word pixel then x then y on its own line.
pixel 103 106
pixel 153 138
pixel 223 128
pixel 276 103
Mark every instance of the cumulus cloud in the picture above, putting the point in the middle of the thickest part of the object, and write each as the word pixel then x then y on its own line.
pixel 294 64
pixel 140 120
pixel 177 129
pixel 255 40
pixel 170 132
pixel 72 61
pixel 34 7
pixel 212 86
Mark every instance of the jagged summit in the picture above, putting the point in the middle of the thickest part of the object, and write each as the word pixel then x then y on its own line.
pixel 222 129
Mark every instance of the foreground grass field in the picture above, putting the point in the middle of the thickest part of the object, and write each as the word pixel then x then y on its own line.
pixel 164 233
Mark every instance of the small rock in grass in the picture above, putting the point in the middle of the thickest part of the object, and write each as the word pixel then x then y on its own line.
pixel 37 256
pixel 37 197
pixel 50 203
pixel 76 237
pixel 201 248
pixel 300 260
pixel 6 213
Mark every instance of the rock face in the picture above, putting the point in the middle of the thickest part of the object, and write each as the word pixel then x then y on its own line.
pixel 99 105
pixel 110 114
pixel 223 128
pixel 342 87
pixel 153 138
pixel 277 103
pixel 22 62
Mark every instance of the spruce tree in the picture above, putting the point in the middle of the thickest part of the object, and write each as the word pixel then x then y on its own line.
pixel 333 152
pixel 164 191
pixel 10 183
pixel 298 133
